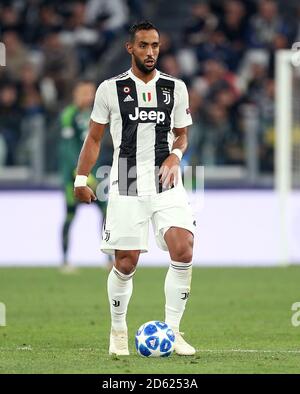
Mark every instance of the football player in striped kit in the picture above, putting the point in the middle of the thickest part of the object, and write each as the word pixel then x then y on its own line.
pixel 148 113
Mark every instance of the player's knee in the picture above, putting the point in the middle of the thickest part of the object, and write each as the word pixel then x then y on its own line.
pixel 126 261
pixel 183 256
pixel 183 251
pixel 125 266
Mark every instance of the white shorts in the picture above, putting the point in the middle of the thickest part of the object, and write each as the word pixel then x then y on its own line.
pixel 127 219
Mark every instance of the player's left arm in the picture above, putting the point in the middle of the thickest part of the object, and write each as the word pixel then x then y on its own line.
pixel 170 167
pixel 182 119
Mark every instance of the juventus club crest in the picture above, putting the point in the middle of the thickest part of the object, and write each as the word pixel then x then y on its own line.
pixel 166 95
pixel 185 295
pixel 106 235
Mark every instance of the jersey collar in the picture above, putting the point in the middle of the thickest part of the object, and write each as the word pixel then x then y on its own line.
pixel 138 80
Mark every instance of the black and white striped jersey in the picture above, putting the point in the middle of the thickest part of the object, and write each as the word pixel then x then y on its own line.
pixel 141 117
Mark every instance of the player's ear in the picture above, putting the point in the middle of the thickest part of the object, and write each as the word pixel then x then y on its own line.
pixel 129 47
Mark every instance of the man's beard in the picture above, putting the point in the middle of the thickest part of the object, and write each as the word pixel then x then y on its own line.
pixel 141 66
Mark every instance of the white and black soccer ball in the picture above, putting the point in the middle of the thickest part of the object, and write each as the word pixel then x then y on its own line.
pixel 155 339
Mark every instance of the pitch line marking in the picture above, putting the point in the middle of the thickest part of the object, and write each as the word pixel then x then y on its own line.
pixel 246 351
pixel 29 348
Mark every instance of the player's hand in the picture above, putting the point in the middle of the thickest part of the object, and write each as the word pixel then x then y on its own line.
pixel 84 194
pixel 168 171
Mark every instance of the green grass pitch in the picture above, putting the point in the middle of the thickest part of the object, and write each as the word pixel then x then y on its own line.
pixel 239 319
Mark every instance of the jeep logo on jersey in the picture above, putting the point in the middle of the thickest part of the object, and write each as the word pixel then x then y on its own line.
pixel 148 115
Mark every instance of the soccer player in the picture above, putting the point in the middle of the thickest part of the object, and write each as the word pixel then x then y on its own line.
pixel 148 112
pixel 74 122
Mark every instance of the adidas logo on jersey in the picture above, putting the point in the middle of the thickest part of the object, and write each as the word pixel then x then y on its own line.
pixel 148 115
pixel 128 98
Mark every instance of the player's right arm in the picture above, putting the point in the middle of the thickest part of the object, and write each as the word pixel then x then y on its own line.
pixel 87 159
pixel 91 146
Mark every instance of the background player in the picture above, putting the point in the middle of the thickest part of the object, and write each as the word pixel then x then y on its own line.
pixel 74 127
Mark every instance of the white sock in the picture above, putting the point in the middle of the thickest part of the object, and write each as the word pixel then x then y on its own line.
pixel 177 291
pixel 119 289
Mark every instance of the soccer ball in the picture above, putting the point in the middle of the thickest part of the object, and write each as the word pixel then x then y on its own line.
pixel 154 339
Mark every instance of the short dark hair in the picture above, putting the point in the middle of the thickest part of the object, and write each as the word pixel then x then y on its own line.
pixel 143 25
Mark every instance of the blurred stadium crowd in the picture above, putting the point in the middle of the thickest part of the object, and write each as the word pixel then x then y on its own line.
pixel 223 50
